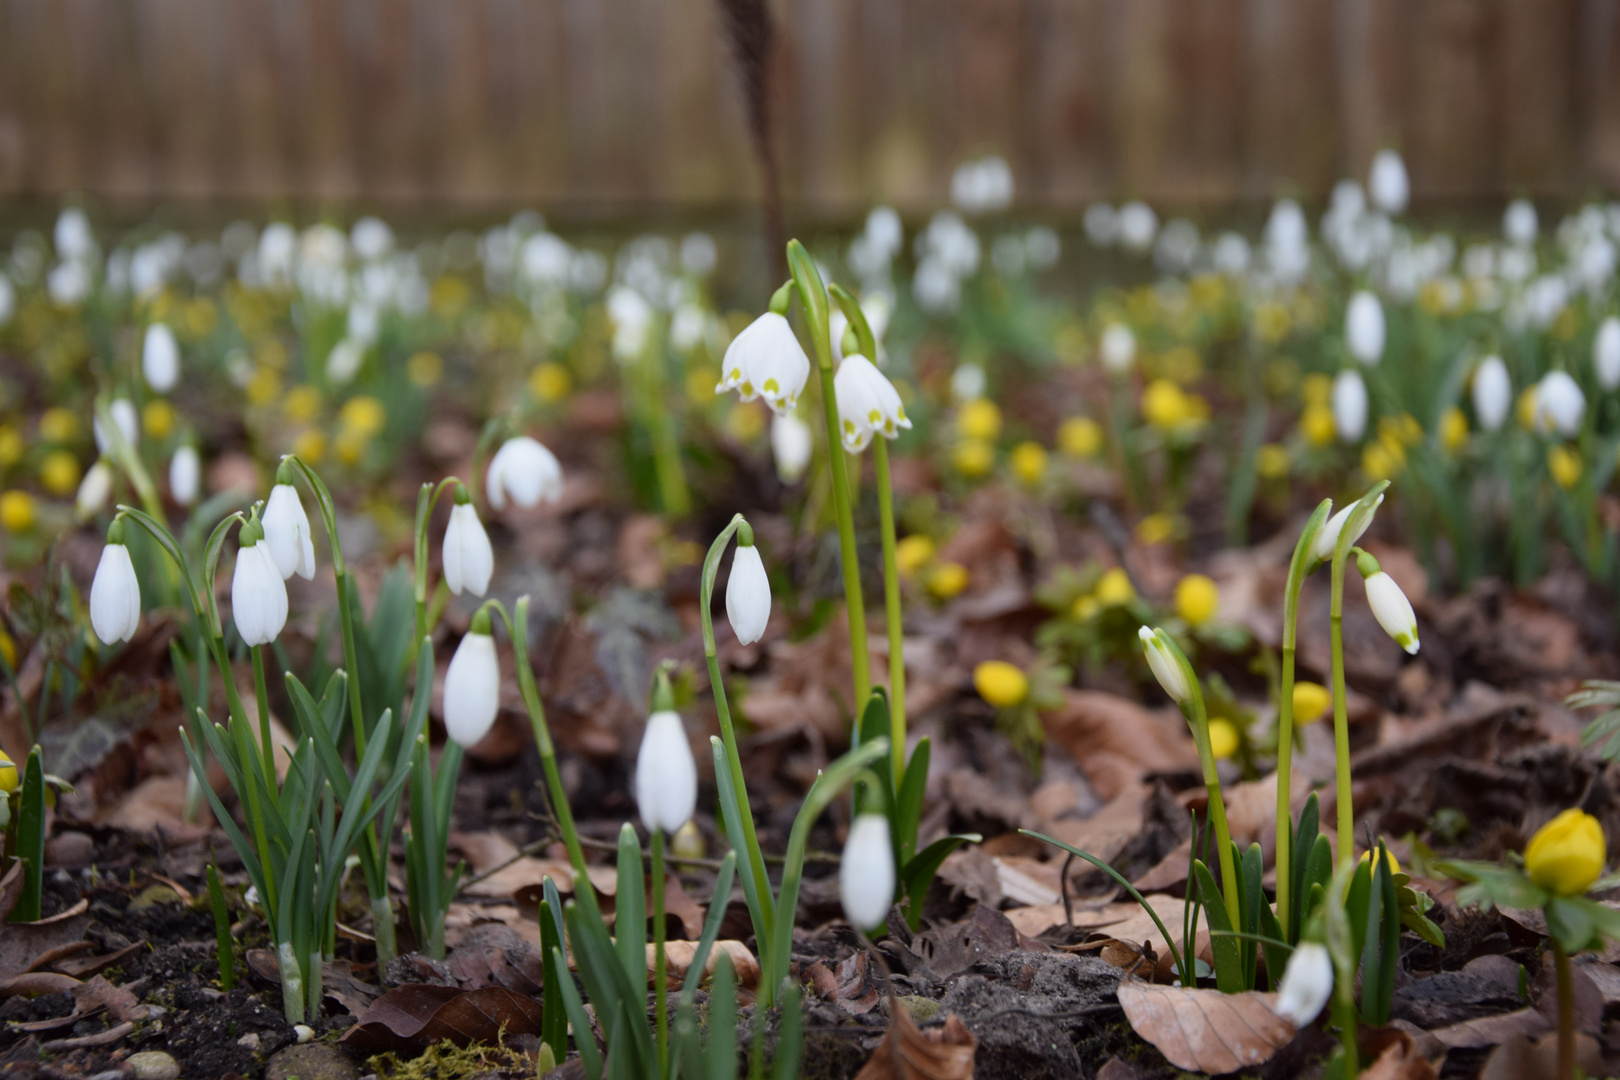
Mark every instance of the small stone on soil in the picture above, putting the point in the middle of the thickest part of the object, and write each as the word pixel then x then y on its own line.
pixel 153 1065
pixel 312 1061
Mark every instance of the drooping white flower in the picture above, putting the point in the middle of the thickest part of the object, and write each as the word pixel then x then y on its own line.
pixel 185 475
pixel 74 237
pixel 967 383
pixel 866 872
pixel 1387 182
pixel 371 238
pixel 1560 405
pixel 525 472
pixel 468 558
pixel 1138 225
pixel 868 404
pixel 1307 983
pixel 1392 610
pixel 160 358
pixel 1492 393
pixel 766 360
pixel 94 490
pixel 1364 327
pixel 258 594
pixel 748 595
pixel 1519 222
pixel 1606 353
pixel 287 533
pixel 1118 347
pixel 472 686
pixel 343 362
pixel 127 420
pixel 1327 537
pixel 791 446
pixel 1349 405
pixel 115 596
pixel 1164 664
pixel 666 774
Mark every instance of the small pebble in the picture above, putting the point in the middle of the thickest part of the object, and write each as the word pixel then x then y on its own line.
pixel 72 849
pixel 250 1041
pixel 111 1074
pixel 153 1065
pixel 304 1032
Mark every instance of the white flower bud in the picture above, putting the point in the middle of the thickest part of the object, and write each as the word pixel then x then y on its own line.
pixel 1387 182
pixel 866 872
pixel 1118 347
pixel 160 358
pixel 1349 405
pixel 258 595
pixel 472 689
pixel 94 490
pixel 791 445
pixel 1392 610
pixel 128 422
pixel 1606 353
pixel 287 533
pixel 1493 392
pixel 1560 405
pixel 1519 223
pixel 469 561
pixel 868 404
pixel 1364 328
pixel 115 596
pixel 1165 665
pixel 185 475
pixel 1307 983
pixel 1327 537
pixel 766 360
pixel 748 595
pixel 666 774
pixel 524 471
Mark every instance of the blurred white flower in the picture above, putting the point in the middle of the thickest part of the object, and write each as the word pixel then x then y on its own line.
pixel 1560 405
pixel 472 686
pixel 127 420
pixel 666 774
pixel 1606 353
pixel 791 446
pixel 74 238
pixel 525 471
pixel 1102 224
pixel 94 490
pixel 371 238
pixel 982 186
pixel 1364 328
pixel 1349 405
pixel 185 475
pixel 1118 347
pixel 160 358
pixel 1387 182
pixel 343 362
pixel 1519 223
pixel 68 283
pixel 1166 668
pixel 1307 983
pixel 1492 393
pixel 967 382
pixel 1138 225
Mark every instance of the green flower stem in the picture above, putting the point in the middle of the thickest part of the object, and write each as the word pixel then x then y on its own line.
pixel 892 617
pixel 426 499
pixel 1298 568
pixel 728 736
pixel 1217 806
pixel 666 443
pixel 262 700
pixel 1354 525
pixel 813 295
pixel 660 992
pixel 1566 1013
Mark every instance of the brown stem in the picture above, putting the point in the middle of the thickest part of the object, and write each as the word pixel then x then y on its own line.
pixel 748 23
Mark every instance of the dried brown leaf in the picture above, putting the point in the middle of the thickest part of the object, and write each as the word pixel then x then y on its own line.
pixel 909 1053
pixel 678 957
pixel 1520 1059
pixel 408 1018
pixel 1394 1055
pixel 1205 1030
pixel 494 954
pixel 34 983
pixel 1115 740
pixel 22 944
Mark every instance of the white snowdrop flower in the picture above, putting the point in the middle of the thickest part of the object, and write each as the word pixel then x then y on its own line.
pixel 125 418
pixel 1560 405
pixel 1606 353
pixel 546 259
pixel 68 283
pixel 884 231
pixel 74 238
pixel 1164 664
pixel 8 300
pixel 365 320
pixel 766 360
pixel 866 872
pixel 1307 983
pixel 94 490
pixel 1043 246
pixel 343 362
pixel 160 358
pixel 1392 610
pixel 115 594
pixel 868 404
pixel 1519 222
pixel 278 253
pixel 791 446
pixel 1177 246
pixel 1364 327
pixel 287 532
pixel 472 685
pixel 371 238
pixel 1493 392
pixel 698 254
pixel 524 471
pixel 469 560
pixel 632 318
pixel 748 595
pixel 1007 255
pixel 688 327
pixel 937 289
pixel 1349 405
pixel 1327 537
pixel 666 774
pixel 967 383
pixel 1286 226
pixel 1118 347
pixel 1231 254
pixel 258 593
pixel 185 475
pixel 1387 182
pixel 1102 224
pixel 1138 225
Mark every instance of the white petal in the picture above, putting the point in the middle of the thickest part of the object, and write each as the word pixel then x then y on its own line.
pixel 469 561
pixel 472 689
pixel 160 358
pixel 115 596
pixel 866 872
pixel 1306 985
pixel 258 595
pixel 666 774
pixel 1393 610
pixel 185 471
pixel 748 595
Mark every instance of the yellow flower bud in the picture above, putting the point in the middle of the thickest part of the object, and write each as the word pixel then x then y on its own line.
pixel 1564 462
pixel 1316 425
pixel 947 580
pixel 1080 436
pixel 8 774
pixel 12 446
pixel 424 369
pixel 158 418
pixel 1028 462
pixel 16 511
pixel 1114 588
pixel 59 472
pixel 8 649
pixel 551 382
pixel 363 415
pixel 1567 854
pixel 1271 461
pixel 1223 738
pixel 1156 529
pixel 979 419
pixel 1197 597
pixel 1000 683
pixel 973 457
pixel 912 554
pixel 1317 389
pixel 1164 405
pixel 1086 608
pixel 687 842
pixel 301 404
pixel 1389 860
pixel 1453 428
pixel 310 446
pixel 1311 700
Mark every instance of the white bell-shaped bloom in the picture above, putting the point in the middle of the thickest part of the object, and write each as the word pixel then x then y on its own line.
pixel 343 362
pixel 94 490
pixel 1560 405
pixel 185 475
pixel 1118 347
pixel 868 404
pixel 1392 610
pixel 1519 222
pixel 1307 983
pixel 866 872
pixel 258 595
pixel 1606 353
pixel 766 360
pixel 472 689
pixel 468 558
pixel 1364 327
pixel 666 774
pixel 791 445
pixel 1387 182
pixel 287 533
pixel 160 358
pixel 748 595
pixel 525 472
pixel 128 422
pixel 74 237
pixel 967 383
pixel 1164 664
pixel 1327 537
pixel 115 596
pixel 1349 405
pixel 1492 393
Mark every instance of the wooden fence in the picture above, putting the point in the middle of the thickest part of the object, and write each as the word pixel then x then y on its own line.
pixel 633 104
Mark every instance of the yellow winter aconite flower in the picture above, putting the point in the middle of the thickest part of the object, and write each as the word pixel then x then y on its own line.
pixel 8 774
pixel 1197 597
pixel 700 380
pixel 1453 428
pixel 1181 364
pixel 8 653
pixel 57 425
pixel 1114 588
pixel 1566 855
pixel 745 423
pixel 550 382
pixel 1000 683
pixel 1080 436
pixel 363 415
pixel 1028 461
pixel 912 554
pixel 449 297
pixel 973 457
pixel 1316 425
pixel 1403 430
pixel 16 511
pixel 1271 461
pixel 263 386
pixel 1389 860
pixel 12 446
pixel 1156 528
pixel 1525 410
pixel 1316 389
pixel 1271 322
pixel 157 418
pixel 301 404
pixel 1165 405
pixel 1223 738
pixel 310 446
pixel 1564 462
pixel 200 318
pixel 947 580
pixel 424 369
pixel 1383 460
pixel 979 419
pixel 1086 608
pixel 1311 700
pixel 59 472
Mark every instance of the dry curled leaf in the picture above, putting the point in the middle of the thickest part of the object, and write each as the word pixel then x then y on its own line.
pixel 678 957
pixel 407 1018
pixel 909 1053
pixel 1205 1030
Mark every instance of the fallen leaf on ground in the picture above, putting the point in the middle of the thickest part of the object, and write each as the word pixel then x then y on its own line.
pixel 1393 1055
pixel 909 1053
pixel 1115 740
pixel 1205 1030
pixel 98 993
pixel 1486 1031
pixel 22 944
pixel 494 954
pixel 1520 1059
pixel 34 983
pixel 338 982
pixel 408 1018
pixel 509 871
pixel 678 957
